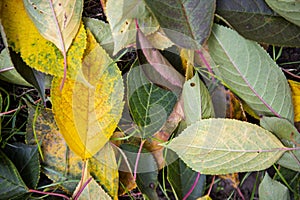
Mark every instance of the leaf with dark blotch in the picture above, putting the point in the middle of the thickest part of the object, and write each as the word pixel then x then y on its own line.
pixel 11 183
pixel 289 136
pixel 149 104
pixel 224 146
pixel 156 67
pixel 196 100
pixel 256 21
pixel 26 160
pixel 147 172
pixel 182 178
pixel 186 23
pixel 249 72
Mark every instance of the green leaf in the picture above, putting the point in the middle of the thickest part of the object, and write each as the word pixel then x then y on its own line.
pixel 223 146
pixel 290 10
pixel 289 136
pixel 147 173
pixel 182 178
pixel 249 72
pixel 26 160
pixel 149 104
pixel 32 76
pixel 156 67
pixel 270 189
pixel 186 23
pixel 11 183
pixel 256 21
pixel 196 100
pixel 101 32
pixel 57 21
pixel 121 15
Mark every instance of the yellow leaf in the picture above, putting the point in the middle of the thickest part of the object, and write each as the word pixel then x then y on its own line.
pixel 62 164
pixel 57 21
pixel 295 87
pixel 87 114
pixel 35 50
pixel 206 197
pixel 91 191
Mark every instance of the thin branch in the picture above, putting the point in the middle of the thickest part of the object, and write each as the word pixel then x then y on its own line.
pixel 138 159
pixel 49 193
pixel 193 186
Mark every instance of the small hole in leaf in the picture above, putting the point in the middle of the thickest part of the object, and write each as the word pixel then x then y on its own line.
pixel 192 84
pixel 126 22
pixel 59 4
pixel 152 185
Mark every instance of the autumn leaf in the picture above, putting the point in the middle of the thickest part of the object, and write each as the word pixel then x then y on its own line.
pixel 60 163
pixel 295 87
pixel 36 51
pixel 87 114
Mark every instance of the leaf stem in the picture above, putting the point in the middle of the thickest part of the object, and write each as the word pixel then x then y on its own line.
pixel 138 159
pixel 211 185
pixel 193 186
pixel 49 193
pixel 6 69
pixel 206 64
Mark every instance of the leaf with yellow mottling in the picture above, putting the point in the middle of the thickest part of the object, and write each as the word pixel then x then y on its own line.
pixel 35 50
pixel 87 114
pixel 58 21
pixel 61 164
pixel 295 87
pixel 90 191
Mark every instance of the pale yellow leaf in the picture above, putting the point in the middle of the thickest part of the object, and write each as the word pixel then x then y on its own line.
pixel 58 21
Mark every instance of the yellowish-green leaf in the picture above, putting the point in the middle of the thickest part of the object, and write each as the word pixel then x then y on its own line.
pixel 58 21
pixel 61 164
pixel 206 197
pixel 91 191
pixel 35 50
pixel 88 113
pixel 121 15
pixel 295 87
pixel 222 146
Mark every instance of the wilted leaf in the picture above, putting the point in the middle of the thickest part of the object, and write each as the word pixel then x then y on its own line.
pixel 256 21
pixel 235 108
pixel 11 183
pixel 157 68
pixel 23 37
pixel 61 164
pixel 182 178
pixel 149 104
pixel 270 189
pixel 289 136
pixel 147 173
pixel 262 85
pixel 101 32
pixel 196 100
pixel 290 10
pixel 87 115
pixel 121 15
pixel 295 87
pixel 57 21
pixel 26 160
pixel 186 23
pixel 224 146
